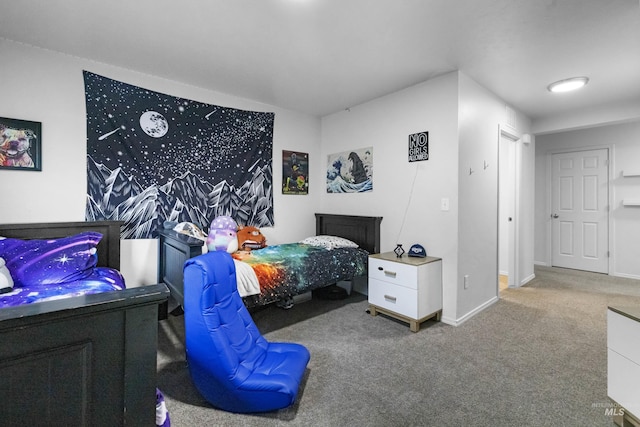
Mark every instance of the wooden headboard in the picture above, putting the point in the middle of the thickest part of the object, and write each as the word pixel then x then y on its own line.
pixel 108 248
pixel 87 360
pixel 363 230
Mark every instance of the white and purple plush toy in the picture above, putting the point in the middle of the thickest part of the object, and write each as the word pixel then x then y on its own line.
pixel 6 282
pixel 162 415
pixel 223 235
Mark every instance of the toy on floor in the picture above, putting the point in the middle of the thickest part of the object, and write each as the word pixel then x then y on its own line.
pixel 162 415
pixel 223 235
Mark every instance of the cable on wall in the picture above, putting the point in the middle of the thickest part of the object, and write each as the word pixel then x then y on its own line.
pixel 406 210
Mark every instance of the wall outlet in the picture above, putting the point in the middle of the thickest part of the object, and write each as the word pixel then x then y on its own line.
pixel 466 281
pixel 444 204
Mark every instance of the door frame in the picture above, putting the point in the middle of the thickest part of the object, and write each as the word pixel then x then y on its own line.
pixel 514 240
pixel 610 168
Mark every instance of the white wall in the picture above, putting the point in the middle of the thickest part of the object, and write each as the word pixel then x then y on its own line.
pixel 481 116
pixel 624 139
pixel 385 124
pixel 462 119
pixel 48 87
pixel 620 112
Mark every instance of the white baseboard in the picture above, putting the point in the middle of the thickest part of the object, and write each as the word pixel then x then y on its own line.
pixel 527 279
pixel 627 276
pixel 469 315
pixel 542 263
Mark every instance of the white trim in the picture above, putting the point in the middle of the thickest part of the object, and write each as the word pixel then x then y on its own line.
pixel 469 315
pixel 527 279
pixel 627 276
pixel 611 190
pixel 514 252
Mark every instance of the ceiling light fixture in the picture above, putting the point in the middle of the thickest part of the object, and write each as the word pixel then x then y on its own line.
pixel 568 85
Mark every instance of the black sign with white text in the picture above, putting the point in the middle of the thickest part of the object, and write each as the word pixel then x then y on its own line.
pixel 419 147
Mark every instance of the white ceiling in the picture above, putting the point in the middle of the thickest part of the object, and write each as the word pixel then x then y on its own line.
pixel 322 56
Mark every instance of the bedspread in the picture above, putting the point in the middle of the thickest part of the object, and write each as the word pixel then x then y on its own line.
pixel 291 269
pixel 43 270
pixel 101 279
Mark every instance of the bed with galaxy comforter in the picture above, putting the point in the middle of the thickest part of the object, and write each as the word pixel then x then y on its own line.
pixel 279 272
pixel 80 348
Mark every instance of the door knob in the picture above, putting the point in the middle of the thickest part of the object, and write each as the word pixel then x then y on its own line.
pixel 554 215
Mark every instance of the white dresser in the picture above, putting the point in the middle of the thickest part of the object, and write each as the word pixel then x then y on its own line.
pixel 623 362
pixel 406 288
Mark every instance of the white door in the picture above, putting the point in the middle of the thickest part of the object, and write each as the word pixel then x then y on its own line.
pixel 579 210
pixel 506 209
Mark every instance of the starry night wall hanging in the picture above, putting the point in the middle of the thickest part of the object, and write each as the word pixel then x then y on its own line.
pixel 153 158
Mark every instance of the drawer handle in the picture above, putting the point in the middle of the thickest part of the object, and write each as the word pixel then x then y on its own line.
pixel 390 298
pixel 390 273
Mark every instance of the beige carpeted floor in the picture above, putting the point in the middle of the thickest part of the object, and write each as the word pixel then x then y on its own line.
pixel 535 358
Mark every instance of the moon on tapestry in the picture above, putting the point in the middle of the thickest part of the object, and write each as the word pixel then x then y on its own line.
pixel 154 159
pixel 154 124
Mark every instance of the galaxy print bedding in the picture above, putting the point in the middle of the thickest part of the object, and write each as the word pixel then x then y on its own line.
pixel 292 269
pixel 43 270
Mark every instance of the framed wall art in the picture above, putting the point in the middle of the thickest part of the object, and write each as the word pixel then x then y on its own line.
pixel 350 171
pixel 20 144
pixel 295 172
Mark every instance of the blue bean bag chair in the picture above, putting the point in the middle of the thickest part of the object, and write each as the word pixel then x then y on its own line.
pixel 231 364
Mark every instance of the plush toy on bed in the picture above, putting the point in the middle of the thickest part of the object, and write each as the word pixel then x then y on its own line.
pixel 250 237
pixel 223 235
pixel 191 230
pixel 6 282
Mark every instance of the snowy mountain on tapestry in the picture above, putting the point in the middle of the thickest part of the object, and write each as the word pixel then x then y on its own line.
pixel 153 158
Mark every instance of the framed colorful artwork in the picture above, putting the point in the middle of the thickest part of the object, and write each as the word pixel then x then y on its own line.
pixel 20 144
pixel 295 172
pixel 350 171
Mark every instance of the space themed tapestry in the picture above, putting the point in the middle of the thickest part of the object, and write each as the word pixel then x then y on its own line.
pixel 153 158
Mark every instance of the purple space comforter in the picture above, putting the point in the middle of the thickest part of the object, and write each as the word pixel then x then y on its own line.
pixel 44 270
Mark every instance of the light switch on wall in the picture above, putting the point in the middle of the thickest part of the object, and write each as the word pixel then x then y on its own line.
pixel 444 204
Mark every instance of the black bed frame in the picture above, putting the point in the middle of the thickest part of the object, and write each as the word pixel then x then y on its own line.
pixel 81 361
pixel 176 248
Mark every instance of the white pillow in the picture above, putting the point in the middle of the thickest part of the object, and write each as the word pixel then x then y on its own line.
pixel 329 242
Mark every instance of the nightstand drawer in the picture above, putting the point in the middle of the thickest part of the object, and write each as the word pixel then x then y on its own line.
pixel 623 377
pixel 393 272
pixel 622 336
pixel 394 298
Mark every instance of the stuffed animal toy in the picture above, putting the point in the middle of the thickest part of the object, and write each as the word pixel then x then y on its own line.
pixel 250 237
pixel 223 235
pixel 162 415
pixel 6 282
pixel 191 230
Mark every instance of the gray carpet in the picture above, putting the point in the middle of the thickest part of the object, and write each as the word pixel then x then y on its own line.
pixel 535 358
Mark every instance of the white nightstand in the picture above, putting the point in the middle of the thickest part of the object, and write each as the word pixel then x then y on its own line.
pixel 623 360
pixel 406 288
